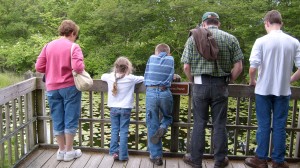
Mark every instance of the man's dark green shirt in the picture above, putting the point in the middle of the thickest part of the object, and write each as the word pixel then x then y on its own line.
pixel 229 53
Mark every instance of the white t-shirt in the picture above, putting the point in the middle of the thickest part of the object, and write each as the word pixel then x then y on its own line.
pixel 274 55
pixel 124 97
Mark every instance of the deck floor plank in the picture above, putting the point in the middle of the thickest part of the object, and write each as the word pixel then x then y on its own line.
pixel 95 160
pixel 145 162
pixel 171 163
pixel 106 162
pixel 31 158
pixel 119 164
pixel 134 161
pixel 237 164
pixel 184 165
pixel 41 159
pixel 82 161
pixel 46 158
pixel 52 162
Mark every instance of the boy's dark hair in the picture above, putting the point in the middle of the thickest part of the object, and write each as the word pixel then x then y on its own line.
pixel 273 16
pixel 162 48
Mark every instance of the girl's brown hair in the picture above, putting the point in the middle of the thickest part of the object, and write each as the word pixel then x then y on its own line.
pixel 121 66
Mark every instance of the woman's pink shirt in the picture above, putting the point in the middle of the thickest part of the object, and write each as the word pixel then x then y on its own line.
pixel 55 61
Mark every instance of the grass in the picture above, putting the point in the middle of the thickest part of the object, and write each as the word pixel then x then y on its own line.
pixel 9 78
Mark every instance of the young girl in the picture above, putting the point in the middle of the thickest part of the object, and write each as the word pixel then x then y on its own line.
pixel 121 85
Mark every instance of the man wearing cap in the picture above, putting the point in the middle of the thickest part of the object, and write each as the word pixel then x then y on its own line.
pixel 210 90
pixel 273 55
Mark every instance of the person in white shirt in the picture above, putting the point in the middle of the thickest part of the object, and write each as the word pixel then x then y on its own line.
pixel 273 56
pixel 121 85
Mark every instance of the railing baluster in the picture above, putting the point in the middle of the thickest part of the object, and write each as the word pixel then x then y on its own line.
pixel 297 146
pixel 102 117
pixel 137 111
pixel 14 117
pixel 91 116
pixel 27 127
pixel 21 117
pixel 189 120
pixel 237 122
pixel 249 124
pixel 7 122
pixel 2 152
pixel 292 134
pixel 51 132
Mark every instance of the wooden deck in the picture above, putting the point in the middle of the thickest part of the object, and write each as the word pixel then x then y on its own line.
pixel 46 158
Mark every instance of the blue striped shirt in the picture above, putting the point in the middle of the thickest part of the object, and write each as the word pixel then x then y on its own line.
pixel 159 70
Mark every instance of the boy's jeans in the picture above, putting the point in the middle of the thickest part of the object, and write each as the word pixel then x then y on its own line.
pixel 265 106
pixel 120 118
pixel 157 100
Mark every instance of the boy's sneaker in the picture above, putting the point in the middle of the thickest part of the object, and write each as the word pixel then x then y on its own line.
pixel 158 134
pixel 71 155
pixel 60 155
pixel 157 161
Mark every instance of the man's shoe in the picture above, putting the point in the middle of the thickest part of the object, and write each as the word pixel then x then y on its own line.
pixel 157 161
pixel 279 165
pixel 222 164
pixel 158 134
pixel 188 160
pixel 255 162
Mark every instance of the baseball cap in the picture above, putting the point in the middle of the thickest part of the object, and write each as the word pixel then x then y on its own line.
pixel 209 15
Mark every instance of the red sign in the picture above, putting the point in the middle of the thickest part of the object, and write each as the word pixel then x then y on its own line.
pixel 180 88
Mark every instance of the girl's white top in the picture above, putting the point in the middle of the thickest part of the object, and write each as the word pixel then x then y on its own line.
pixel 124 97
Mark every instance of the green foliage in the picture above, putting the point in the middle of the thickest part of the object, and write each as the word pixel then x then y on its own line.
pixel 9 79
pixel 132 28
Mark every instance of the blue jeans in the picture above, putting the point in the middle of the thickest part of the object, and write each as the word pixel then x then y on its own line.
pixel 65 106
pixel 212 94
pixel 265 106
pixel 120 118
pixel 157 100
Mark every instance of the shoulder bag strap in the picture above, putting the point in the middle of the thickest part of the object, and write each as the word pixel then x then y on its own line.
pixel 72 53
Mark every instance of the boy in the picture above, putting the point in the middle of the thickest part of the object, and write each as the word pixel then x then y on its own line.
pixel 158 77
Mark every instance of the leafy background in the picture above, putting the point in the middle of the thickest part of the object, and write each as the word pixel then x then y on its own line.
pixel 132 28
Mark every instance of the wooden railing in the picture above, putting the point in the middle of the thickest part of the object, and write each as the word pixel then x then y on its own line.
pixel 25 123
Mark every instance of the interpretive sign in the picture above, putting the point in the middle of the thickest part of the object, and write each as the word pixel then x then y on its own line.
pixel 180 88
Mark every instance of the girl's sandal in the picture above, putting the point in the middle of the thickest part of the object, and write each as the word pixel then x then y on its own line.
pixel 116 156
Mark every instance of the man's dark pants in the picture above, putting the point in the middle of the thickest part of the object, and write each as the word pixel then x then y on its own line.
pixel 212 93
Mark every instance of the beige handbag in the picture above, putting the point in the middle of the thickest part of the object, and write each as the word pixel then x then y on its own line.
pixel 83 81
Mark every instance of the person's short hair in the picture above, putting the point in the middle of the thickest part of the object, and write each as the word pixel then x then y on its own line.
pixel 212 21
pixel 67 27
pixel 162 48
pixel 273 16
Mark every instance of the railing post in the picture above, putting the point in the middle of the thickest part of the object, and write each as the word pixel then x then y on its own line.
pixel 175 129
pixel 40 111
